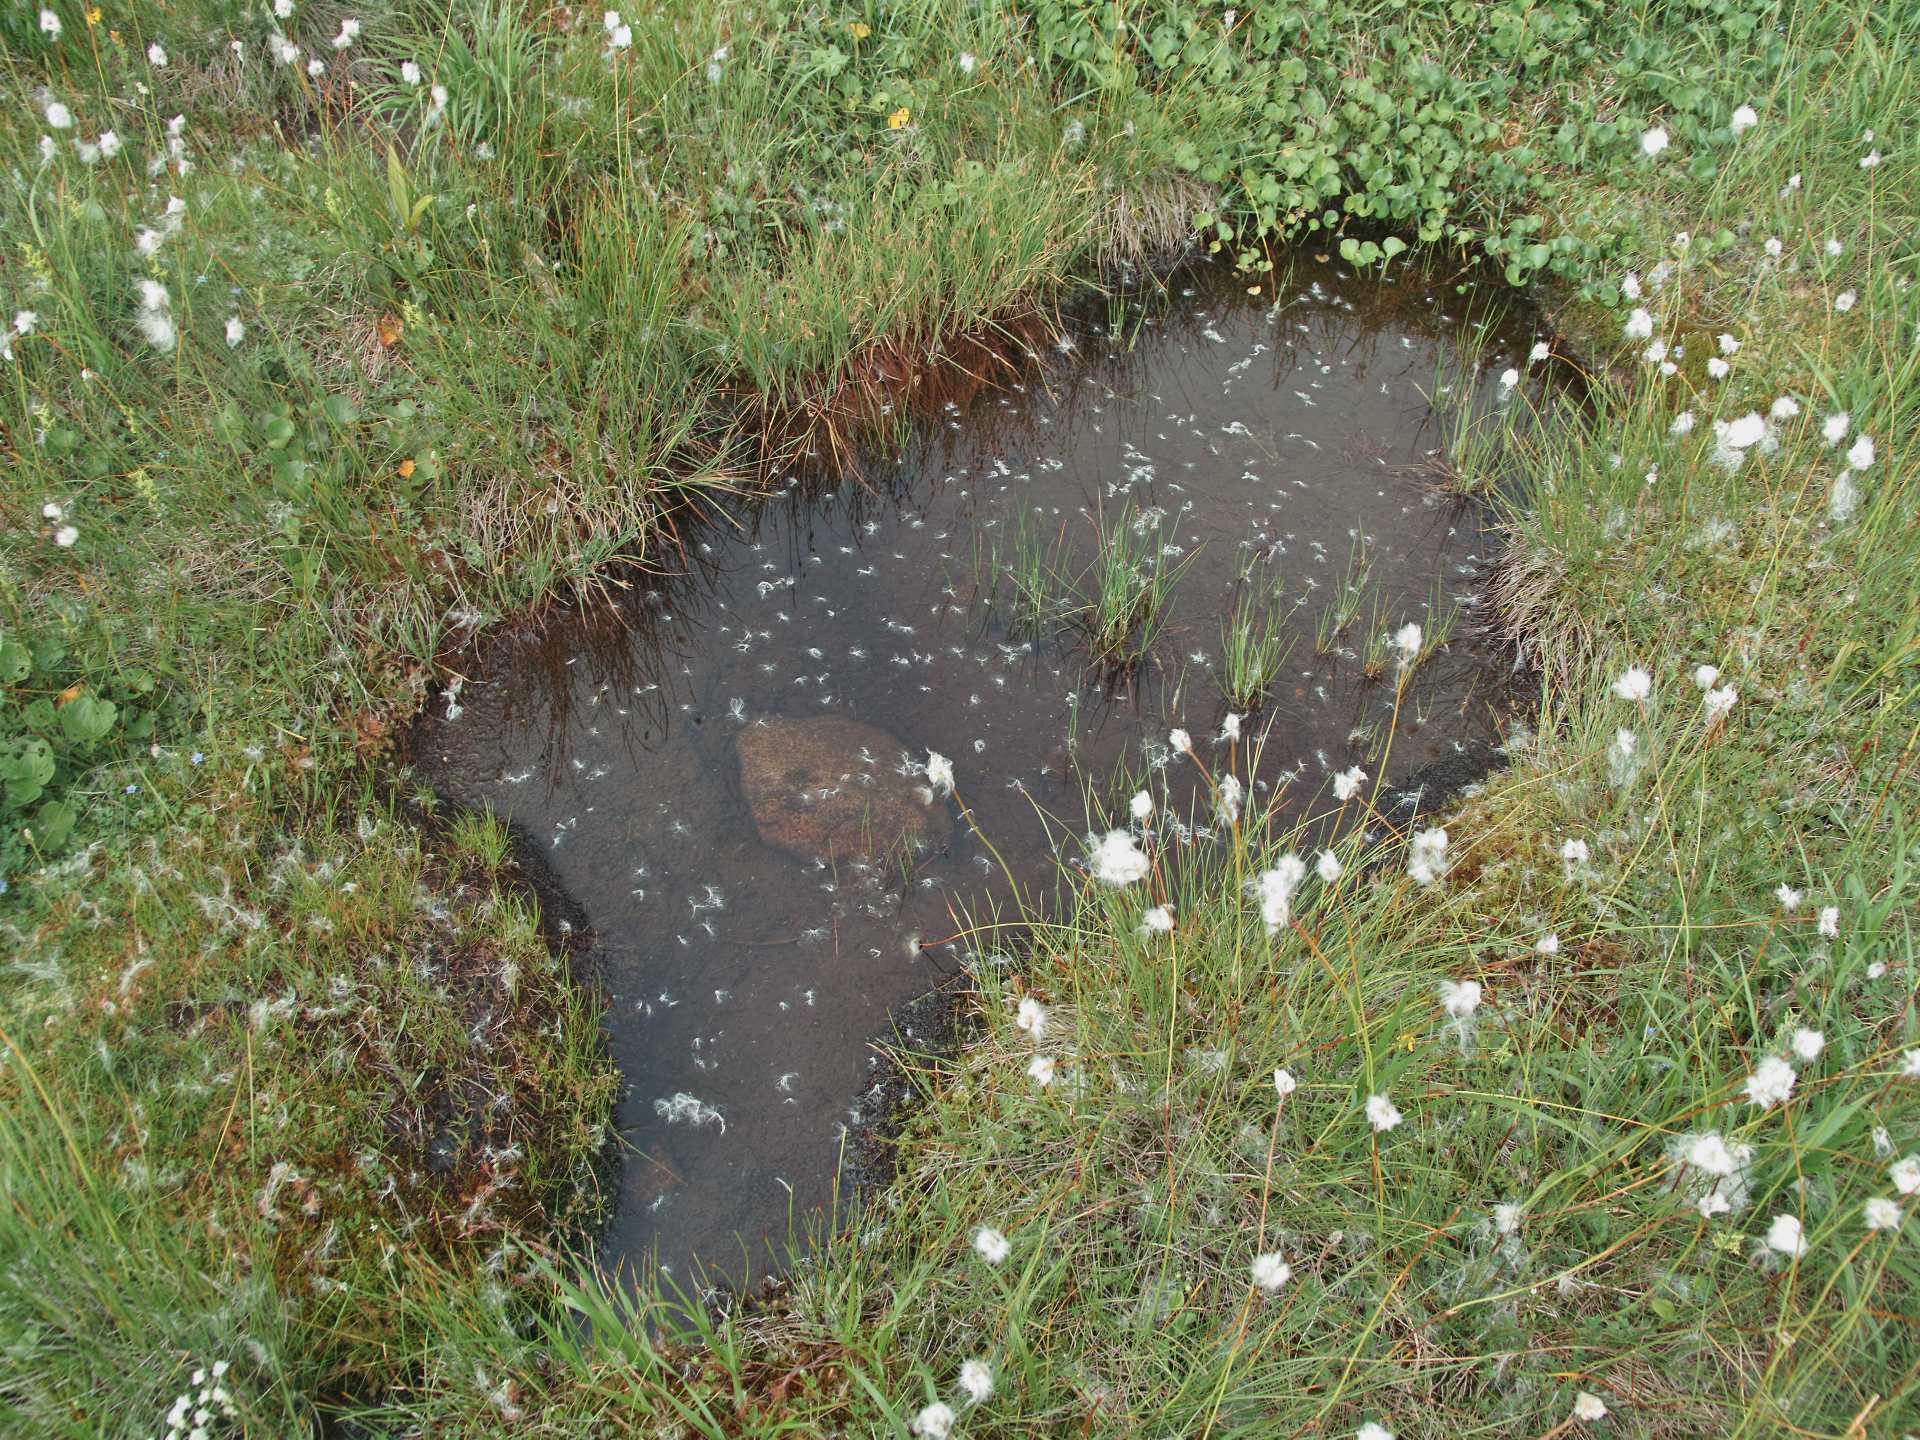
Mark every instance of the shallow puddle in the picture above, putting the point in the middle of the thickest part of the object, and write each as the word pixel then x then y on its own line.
pixel 721 772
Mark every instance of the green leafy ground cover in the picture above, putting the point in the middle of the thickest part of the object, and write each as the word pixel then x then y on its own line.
pixel 322 362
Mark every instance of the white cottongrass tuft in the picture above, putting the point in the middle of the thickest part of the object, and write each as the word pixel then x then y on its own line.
pixel 1270 1272
pixel 1785 1235
pixel 934 1422
pixel 1807 1044
pixel 1157 921
pixel 1829 922
pixel 1275 889
pixel 990 1245
pixel 349 32
pixel 1860 454
pixel 155 316
pixel 1771 1083
pixel 1509 378
pixel 1710 1154
pixel 236 331
pixel 1634 684
pixel 59 117
pixel 1181 742
pixel 1588 1407
pixel 1229 795
pixel 1573 854
pixel 1347 783
pixel 976 1378
pixel 1119 860
pixel 1683 423
pixel 1031 1016
pixel 1382 1113
pixel 1141 806
pixel 157 55
pixel 939 773
pixel 1548 944
pixel 50 24
pixel 1373 1430
pixel 1905 1175
pixel 1834 428
pixel 1788 897
pixel 1706 676
pixel 1283 1082
pixel 1653 141
pixel 1406 642
pixel 1718 368
pixel 1744 119
pixel 1460 998
pixel 410 72
pixel 1639 324
pixel 1427 858
pixel 1040 1070
pixel 66 537
pixel 1327 867
pixel 1719 702
pixel 1882 1213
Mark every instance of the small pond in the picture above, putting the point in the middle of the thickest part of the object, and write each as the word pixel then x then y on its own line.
pixel 726 771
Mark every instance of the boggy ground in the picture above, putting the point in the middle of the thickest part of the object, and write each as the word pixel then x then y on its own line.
pixel 296 1087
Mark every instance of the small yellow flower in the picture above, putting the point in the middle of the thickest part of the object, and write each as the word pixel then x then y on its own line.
pixel 899 118
pixel 861 29
pixel 93 16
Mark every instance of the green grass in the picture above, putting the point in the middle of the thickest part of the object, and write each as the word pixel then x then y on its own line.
pixel 294 1080
pixel 1254 642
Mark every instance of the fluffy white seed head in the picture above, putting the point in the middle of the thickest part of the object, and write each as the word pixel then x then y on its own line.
pixel 976 1379
pixel 1771 1083
pixel 990 1245
pixel 1634 684
pixel 1118 859
pixel 1270 1272
pixel 1785 1235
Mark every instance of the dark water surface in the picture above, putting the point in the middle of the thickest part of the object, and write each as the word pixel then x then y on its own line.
pixel 748 972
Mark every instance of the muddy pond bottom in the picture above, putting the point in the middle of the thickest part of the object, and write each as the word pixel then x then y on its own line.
pixel 728 773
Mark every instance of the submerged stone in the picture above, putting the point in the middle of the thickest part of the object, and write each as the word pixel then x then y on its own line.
pixel 832 786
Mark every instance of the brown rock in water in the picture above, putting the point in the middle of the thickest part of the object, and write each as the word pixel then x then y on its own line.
pixel 832 786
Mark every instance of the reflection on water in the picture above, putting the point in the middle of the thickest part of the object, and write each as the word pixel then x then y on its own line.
pixel 818 646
